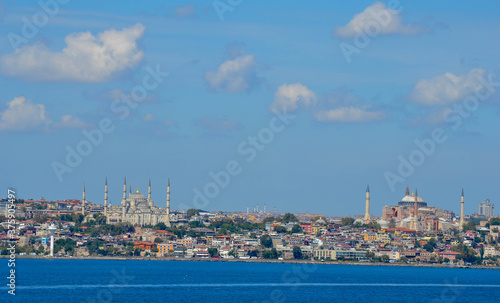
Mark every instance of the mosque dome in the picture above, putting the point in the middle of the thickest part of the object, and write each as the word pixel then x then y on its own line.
pixel 409 199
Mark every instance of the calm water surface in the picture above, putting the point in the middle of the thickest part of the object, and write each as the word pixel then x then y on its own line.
pixel 186 281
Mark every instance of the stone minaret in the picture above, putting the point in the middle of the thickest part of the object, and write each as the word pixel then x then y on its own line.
pixel 106 197
pixel 124 198
pixel 367 208
pixel 83 200
pixel 407 192
pixel 462 211
pixel 150 201
pixel 167 219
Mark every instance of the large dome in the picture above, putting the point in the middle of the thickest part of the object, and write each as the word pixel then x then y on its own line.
pixel 409 200
pixel 137 196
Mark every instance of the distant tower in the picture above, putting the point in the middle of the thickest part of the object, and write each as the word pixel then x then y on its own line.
pixel 167 219
pixel 150 201
pixel 52 229
pixel 367 208
pixel 257 207
pixel 407 192
pixel 83 200
pixel 248 209
pixel 415 216
pixel 106 197
pixel 264 208
pixel 462 211
pixel 124 198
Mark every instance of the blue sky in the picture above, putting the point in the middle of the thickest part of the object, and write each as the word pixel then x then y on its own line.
pixel 296 106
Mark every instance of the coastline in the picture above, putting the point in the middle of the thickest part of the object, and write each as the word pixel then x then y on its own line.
pixel 257 261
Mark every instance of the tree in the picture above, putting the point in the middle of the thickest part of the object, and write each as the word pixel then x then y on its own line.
pixel 347 221
pixel 392 223
pixel 428 247
pixel 270 254
pixel 212 251
pixel 296 229
pixel 253 253
pixel 403 259
pixel 160 226
pixel 268 219
pixel 158 240
pixel 192 212
pixel 154 249
pixel 385 258
pixel 289 217
pixel 280 229
pixel 297 253
pixel 469 226
pixel 266 241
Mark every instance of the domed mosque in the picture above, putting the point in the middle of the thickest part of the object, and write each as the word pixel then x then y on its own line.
pixel 137 209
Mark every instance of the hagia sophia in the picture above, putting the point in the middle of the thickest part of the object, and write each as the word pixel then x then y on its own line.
pixel 413 212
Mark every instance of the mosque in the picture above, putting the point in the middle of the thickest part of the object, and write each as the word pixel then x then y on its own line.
pixel 136 209
pixel 413 212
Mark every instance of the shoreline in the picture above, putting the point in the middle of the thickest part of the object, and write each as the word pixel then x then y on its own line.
pixel 256 261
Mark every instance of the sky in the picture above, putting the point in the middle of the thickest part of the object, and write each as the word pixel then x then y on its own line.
pixel 296 106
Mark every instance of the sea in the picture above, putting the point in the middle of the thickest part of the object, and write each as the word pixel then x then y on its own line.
pixel 39 280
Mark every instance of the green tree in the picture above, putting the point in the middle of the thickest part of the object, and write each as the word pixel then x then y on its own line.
pixel 280 229
pixel 268 220
pixel 212 251
pixel 289 217
pixel 158 240
pixel 296 229
pixel 297 253
pixel 160 226
pixel 469 226
pixel 347 221
pixel 266 241
pixel 192 212
pixel 253 253
pixel 385 258
pixel 270 254
pixel 392 223
pixel 403 259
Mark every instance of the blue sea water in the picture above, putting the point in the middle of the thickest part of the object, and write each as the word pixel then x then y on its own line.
pixel 190 281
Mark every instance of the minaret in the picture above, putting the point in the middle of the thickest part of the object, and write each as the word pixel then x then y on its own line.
pixel 415 216
pixel 462 211
pixel 167 219
pixel 264 208
pixel 407 192
pixel 124 198
pixel 150 201
pixel 106 197
pixel 129 190
pixel 83 200
pixel 367 207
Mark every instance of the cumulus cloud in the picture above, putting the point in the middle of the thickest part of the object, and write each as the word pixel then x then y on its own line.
pixel 376 18
pixel 234 75
pixel 218 124
pixel 447 88
pixel 349 114
pixel 22 115
pixel 86 58
pixel 185 11
pixel 288 97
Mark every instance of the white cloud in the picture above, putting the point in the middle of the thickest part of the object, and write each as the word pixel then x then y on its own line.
pixel 234 75
pixel 288 97
pixel 23 115
pixel 86 58
pixel 69 121
pixel 185 11
pixel 169 122
pixel 376 18
pixel 349 114
pixel 447 88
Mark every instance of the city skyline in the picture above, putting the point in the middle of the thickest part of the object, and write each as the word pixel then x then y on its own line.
pixel 297 107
